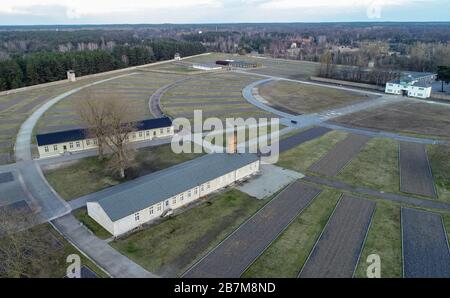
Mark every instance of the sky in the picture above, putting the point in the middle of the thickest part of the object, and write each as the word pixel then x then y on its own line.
pixel 48 12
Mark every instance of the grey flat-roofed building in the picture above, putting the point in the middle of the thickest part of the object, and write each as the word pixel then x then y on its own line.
pixel 170 189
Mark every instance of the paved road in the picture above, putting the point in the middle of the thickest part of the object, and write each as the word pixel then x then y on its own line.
pixel 432 204
pixel 337 251
pixel 237 252
pixel 154 102
pixel 250 93
pixel 426 253
pixel 104 255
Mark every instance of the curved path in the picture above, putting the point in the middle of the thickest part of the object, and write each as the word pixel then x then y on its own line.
pixel 154 103
pixel 54 209
pixel 251 94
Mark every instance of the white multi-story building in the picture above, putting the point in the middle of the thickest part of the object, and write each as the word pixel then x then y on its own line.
pixel 413 84
pixel 170 189
pixel 69 141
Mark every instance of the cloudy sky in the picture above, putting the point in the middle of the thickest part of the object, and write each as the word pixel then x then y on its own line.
pixel 28 12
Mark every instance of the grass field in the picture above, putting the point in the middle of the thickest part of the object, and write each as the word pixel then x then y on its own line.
pixel 82 215
pixel 286 256
pixel 303 98
pixel 171 246
pixel 56 249
pixel 302 157
pixel 90 175
pixel 376 166
pixel 439 158
pixel 384 239
pixel 411 118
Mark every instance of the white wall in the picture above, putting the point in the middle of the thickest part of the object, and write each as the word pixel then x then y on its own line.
pixel 87 144
pixel 99 215
pixel 137 219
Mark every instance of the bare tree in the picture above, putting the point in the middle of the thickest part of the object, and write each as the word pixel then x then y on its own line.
pixel 22 250
pixel 119 128
pixel 92 111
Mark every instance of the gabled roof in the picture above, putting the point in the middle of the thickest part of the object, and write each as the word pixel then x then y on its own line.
pixel 162 185
pixel 82 133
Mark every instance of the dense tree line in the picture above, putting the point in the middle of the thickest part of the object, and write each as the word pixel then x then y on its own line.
pixel 42 67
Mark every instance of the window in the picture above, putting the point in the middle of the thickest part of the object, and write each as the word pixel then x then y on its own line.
pixel 168 129
pixel 140 134
pixel 208 185
pixel 181 197
pixel 167 202
pixel 136 216
pixel 189 194
pixel 150 210
pixel 195 191
pixel 95 142
pixel 147 133
pixel 174 200
pixel 154 132
pixel 88 142
pixel 202 188
pixel 71 145
pixel 46 148
pixel 55 147
pixel 78 144
pixel 158 207
pixel 161 130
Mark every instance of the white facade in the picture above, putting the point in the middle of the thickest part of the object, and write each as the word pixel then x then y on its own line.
pixel 88 144
pixel 206 67
pixel 154 211
pixel 409 90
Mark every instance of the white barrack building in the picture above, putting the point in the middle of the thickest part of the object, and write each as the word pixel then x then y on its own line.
pixel 413 84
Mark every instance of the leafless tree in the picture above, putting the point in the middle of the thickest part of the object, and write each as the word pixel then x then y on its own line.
pixel 92 111
pixel 22 250
pixel 119 129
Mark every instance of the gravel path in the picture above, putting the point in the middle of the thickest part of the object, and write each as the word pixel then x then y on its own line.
pixel 426 252
pixel 237 252
pixel 415 171
pixel 337 251
pixel 340 155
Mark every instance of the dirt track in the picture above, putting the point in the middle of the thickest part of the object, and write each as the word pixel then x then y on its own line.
pixel 337 251
pixel 415 171
pixel 340 155
pixel 233 256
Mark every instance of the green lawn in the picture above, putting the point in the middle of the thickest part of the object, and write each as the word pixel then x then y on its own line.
pixel 170 247
pixel 384 239
pixel 286 256
pixel 439 157
pixel 376 166
pixel 302 157
pixel 90 175
pixel 82 215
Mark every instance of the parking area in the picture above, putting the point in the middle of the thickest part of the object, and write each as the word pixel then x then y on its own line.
pixel 415 171
pixel 337 251
pixel 237 252
pixel 340 155
pixel 426 251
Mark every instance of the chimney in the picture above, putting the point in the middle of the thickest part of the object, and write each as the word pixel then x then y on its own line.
pixel 232 143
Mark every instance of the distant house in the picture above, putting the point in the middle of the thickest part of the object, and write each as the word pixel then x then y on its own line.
pixel 61 142
pixel 413 84
pixel 238 63
pixel 71 76
pixel 167 190
pixel 177 57
pixel 206 66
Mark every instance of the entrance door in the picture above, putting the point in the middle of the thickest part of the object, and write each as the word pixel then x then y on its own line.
pixel 405 92
pixel 64 148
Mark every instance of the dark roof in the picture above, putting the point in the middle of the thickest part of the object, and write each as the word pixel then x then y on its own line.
pixel 162 185
pixel 82 133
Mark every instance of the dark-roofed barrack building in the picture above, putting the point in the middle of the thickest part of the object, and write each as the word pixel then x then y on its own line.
pixel 57 143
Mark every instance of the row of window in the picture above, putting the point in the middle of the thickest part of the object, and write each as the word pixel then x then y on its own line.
pixel 88 142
